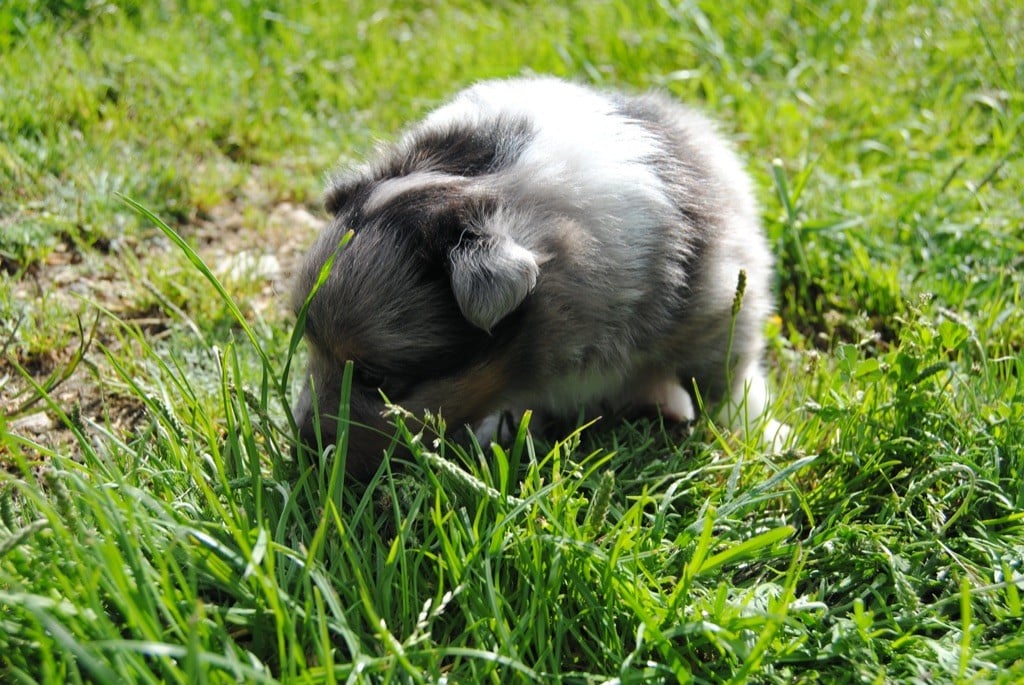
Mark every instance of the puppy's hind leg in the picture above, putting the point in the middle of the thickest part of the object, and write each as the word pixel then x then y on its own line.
pixel 668 395
pixel 746 407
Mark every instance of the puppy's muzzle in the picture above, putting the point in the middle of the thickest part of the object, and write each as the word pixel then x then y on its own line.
pixel 364 444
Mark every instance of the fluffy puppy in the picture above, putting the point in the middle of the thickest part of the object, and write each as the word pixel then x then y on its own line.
pixel 535 244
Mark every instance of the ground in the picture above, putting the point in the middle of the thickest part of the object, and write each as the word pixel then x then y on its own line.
pixel 83 283
pixel 156 525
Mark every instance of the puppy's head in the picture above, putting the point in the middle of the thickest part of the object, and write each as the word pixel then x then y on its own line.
pixel 420 300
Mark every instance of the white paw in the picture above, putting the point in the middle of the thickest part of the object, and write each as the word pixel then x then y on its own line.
pixel 674 402
pixel 776 435
pixel 487 430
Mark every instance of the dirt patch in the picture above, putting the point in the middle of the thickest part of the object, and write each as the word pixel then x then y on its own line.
pixel 234 251
pixel 74 287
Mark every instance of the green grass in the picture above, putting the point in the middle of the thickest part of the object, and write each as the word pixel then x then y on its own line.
pixel 162 531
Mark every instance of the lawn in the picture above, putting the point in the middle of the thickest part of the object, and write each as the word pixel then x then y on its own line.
pixel 160 172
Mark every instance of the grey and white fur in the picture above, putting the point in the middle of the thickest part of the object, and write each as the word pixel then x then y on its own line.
pixel 536 244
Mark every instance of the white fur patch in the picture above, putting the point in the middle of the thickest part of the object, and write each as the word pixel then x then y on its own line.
pixel 392 188
pixel 582 150
pixel 674 402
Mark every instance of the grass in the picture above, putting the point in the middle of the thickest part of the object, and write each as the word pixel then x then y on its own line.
pixel 160 530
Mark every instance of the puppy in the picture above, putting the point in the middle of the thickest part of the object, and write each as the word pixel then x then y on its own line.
pixel 535 244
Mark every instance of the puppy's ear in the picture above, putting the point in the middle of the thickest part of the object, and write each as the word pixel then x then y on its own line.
pixel 491 275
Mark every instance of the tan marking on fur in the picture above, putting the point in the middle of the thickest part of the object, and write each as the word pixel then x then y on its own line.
pixel 463 399
pixel 343 352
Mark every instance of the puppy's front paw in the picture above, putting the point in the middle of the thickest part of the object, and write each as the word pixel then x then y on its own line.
pixel 487 430
pixel 500 427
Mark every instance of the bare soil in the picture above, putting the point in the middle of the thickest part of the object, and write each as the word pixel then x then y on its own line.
pixel 82 285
